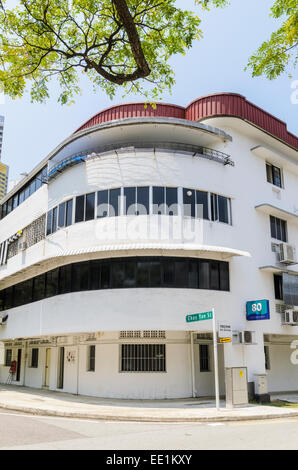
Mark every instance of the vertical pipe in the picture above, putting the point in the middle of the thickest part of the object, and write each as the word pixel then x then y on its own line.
pixel 192 365
pixel 215 360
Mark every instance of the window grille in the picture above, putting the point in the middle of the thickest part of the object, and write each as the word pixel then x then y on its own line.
pixel 143 358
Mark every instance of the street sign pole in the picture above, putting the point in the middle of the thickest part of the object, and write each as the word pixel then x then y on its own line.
pixel 215 361
pixel 200 317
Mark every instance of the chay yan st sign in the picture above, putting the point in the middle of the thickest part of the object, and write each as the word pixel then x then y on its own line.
pixel 199 317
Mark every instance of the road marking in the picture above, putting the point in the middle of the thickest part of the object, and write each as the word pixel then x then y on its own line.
pixel 216 424
pixel 264 421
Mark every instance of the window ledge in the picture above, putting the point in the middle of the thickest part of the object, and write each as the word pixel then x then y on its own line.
pixel 270 209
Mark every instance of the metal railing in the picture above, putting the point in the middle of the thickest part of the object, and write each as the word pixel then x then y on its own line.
pixel 196 151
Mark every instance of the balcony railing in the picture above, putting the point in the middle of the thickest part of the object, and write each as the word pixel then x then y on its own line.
pixel 197 151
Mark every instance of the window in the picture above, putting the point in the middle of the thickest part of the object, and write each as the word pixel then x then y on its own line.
pixel 220 209
pixel 8 357
pixel 274 175
pixel 33 185
pixel 143 358
pixel 118 273
pixel 68 214
pixel 34 358
pixel 195 203
pixel 91 359
pixel 278 287
pixel 136 200
pixel 61 215
pixel 165 200
pixel 278 228
pixel 204 358
pixel 80 204
pixel 267 357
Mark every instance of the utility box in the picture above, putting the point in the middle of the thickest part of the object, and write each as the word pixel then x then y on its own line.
pixel 236 386
pixel 261 388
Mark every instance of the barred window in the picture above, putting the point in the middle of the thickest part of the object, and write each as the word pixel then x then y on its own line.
pixel 34 358
pixel 143 358
pixel 8 357
pixel 204 358
pixel 91 358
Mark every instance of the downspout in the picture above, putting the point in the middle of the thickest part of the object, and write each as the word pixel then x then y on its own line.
pixel 192 365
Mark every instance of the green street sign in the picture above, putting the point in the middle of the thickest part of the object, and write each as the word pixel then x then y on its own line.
pixel 199 317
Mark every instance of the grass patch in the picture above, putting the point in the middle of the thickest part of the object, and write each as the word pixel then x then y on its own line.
pixel 276 403
pixel 282 404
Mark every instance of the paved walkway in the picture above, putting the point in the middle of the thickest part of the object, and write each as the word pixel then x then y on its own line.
pixel 44 402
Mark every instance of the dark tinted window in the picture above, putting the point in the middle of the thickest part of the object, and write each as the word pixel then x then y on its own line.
pixel 142 201
pixel 278 287
pixel 172 201
pixel 54 221
pixel 202 203
pixel 189 202
pixel 68 220
pixel 61 215
pixel 120 273
pixel 102 203
pixel 39 287
pixel 278 229
pixel 130 201
pixel 90 206
pixel 65 279
pixel 158 195
pixel 52 283
pixel 223 211
pixel 114 209
pixel 80 203
pixel 49 222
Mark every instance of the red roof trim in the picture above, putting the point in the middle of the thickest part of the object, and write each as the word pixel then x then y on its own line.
pixel 213 105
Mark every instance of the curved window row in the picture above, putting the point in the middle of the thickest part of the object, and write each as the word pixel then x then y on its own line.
pixel 117 273
pixel 33 185
pixel 140 200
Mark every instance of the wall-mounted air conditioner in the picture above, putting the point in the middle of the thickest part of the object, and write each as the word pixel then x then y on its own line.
pixel 290 317
pixel 287 254
pixel 23 246
pixel 243 337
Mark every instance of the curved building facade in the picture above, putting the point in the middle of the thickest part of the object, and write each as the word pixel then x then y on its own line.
pixel 142 217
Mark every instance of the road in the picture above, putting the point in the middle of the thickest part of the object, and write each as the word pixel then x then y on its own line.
pixel 20 431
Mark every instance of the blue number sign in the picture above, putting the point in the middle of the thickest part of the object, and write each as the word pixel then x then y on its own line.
pixel 257 310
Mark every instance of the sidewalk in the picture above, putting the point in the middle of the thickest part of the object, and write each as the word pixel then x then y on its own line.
pixel 48 403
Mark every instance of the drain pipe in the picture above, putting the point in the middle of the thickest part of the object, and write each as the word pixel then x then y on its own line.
pixel 192 365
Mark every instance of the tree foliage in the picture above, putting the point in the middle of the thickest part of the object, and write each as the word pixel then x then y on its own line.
pixel 279 53
pixel 114 42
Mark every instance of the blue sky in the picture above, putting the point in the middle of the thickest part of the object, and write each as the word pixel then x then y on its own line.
pixel 216 63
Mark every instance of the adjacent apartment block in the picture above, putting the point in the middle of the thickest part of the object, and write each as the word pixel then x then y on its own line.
pixel 139 218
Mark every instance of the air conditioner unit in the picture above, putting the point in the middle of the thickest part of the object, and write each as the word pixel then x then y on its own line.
pixel 23 246
pixel 290 317
pixel 287 254
pixel 246 337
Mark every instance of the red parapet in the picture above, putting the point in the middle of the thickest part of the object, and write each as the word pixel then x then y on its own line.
pixel 134 110
pixel 214 105
pixel 235 105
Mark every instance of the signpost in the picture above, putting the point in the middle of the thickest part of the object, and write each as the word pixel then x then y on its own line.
pixel 209 316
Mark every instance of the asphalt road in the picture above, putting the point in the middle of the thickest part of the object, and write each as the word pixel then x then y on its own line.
pixel 20 431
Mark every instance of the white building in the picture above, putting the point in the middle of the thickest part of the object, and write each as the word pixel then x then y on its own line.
pixel 138 219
